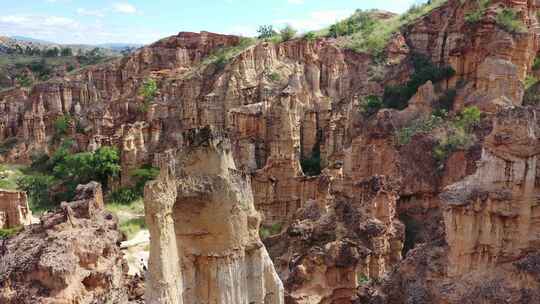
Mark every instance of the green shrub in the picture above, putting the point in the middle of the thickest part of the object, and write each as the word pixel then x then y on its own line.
pixel 371 105
pixel 61 126
pixel 132 227
pixel 220 57
pixel 274 77
pixel 287 33
pixel 7 233
pixel 37 187
pixel 508 19
pixel 404 135
pixel 148 91
pixel 310 36
pixel 266 31
pixel 142 176
pixel 267 231
pixel 24 81
pixel 536 64
pixel 468 118
pixel 81 168
pixel 397 97
pixel 8 144
pixel 477 15
pixel 124 196
pixel 311 166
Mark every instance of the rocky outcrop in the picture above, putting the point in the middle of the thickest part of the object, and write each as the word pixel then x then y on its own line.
pixel 491 216
pixel 14 209
pixel 328 250
pixel 205 246
pixel 71 256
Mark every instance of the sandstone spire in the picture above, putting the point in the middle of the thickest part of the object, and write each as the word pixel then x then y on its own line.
pixel 204 230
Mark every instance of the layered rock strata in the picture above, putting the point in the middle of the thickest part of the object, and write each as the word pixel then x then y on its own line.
pixel 205 246
pixel 14 209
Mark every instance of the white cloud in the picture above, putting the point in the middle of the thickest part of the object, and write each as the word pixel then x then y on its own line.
pixel 65 30
pixel 124 8
pixel 93 13
pixel 296 1
pixel 315 20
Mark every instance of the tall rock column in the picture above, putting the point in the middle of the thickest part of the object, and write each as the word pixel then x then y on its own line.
pixel 164 283
pixel 216 243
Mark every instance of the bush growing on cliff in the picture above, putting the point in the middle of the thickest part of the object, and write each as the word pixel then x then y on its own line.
pixel 311 166
pixel 371 105
pixel 476 15
pixel 364 32
pixel 148 91
pixel 397 97
pixel 266 32
pixel 287 33
pixel 508 19
pixel 61 127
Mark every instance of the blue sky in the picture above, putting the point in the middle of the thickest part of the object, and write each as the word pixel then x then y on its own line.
pixel 145 21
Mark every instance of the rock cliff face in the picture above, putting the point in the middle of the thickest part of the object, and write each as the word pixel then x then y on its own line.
pixel 205 245
pixel 14 210
pixel 71 256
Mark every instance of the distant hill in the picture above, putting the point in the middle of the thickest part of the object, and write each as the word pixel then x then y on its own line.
pixel 17 43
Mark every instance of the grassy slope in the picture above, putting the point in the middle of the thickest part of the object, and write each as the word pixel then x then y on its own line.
pixel 375 39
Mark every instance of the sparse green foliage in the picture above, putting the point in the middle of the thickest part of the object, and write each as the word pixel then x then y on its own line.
pixel 362 32
pixel 142 176
pixel 468 118
pixel 271 230
pixel 37 187
pixel 397 97
pixel 7 233
pixel 371 105
pixel 266 32
pixel 310 36
pixel 132 227
pixel 311 166
pixel 24 81
pixel 123 196
pixel 61 126
pixel 222 56
pixel 274 77
pixel 405 134
pixel 530 80
pixel 477 15
pixel 508 19
pixel 287 33
pixel 148 91
pixel 536 64
pixel 66 52
pixel 8 144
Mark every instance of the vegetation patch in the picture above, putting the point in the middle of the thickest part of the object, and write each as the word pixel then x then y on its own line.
pixel 397 97
pixel 370 105
pixel 148 91
pixel 508 19
pixel 222 56
pixel 362 32
pixel 271 230
pixel 311 166
pixel 451 135
pixel 63 171
pixel 7 233
pixel 132 226
pixel 477 15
